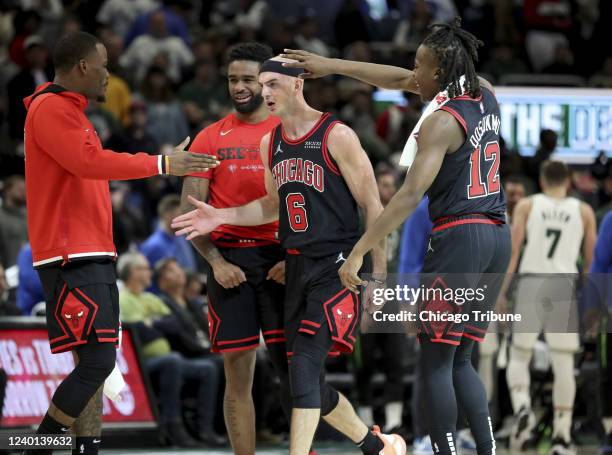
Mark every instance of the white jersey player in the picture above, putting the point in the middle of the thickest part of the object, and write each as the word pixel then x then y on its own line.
pixel 555 228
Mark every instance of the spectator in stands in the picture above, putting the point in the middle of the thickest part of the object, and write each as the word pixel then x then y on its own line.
pixel 166 121
pixel 412 30
pixel 563 61
pixel 351 24
pixel 29 290
pixel 7 305
pixel 514 187
pixel 175 23
pixel 135 137
pixel 548 23
pixel 396 122
pixel 119 14
pixel 25 23
pixel 152 320
pixel 34 73
pixel 548 144
pixel 13 223
pixel 205 93
pixel 128 226
pixel 163 243
pixel 308 38
pixel 143 51
pixel 504 61
pixel 186 337
pixel 118 95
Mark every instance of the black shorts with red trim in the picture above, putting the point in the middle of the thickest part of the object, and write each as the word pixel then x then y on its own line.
pixel 465 252
pixel 316 298
pixel 82 301
pixel 237 315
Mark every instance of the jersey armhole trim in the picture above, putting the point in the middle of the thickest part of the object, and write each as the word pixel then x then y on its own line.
pixel 329 160
pixel 457 116
pixel 270 146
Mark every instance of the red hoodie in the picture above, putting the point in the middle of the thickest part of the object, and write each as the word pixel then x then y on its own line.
pixel 67 174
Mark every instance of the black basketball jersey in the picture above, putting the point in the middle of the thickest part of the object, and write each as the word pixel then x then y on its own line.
pixel 468 181
pixel 318 214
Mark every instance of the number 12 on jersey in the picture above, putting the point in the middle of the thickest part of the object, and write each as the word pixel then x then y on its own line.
pixel 296 210
pixel 477 188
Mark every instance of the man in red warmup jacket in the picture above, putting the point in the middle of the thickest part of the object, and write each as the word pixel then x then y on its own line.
pixel 70 228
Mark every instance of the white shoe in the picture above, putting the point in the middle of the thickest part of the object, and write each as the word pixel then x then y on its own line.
pixel 465 441
pixel 522 430
pixel 394 444
pixel 422 446
pixel 561 447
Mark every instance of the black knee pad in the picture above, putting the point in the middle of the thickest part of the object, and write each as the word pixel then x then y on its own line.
pixel 329 398
pixel 96 362
pixel 304 375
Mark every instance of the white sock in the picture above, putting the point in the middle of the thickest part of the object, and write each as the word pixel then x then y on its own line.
pixel 393 415
pixel 607 424
pixel 564 392
pixel 517 376
pixel 366 415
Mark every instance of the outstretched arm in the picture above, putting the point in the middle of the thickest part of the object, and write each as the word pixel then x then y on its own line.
pixel 205 218
pixel 383 76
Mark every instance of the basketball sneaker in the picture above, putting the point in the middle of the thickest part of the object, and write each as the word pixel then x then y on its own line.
pixel 422 446
pixel 394 444
pixel 522 430
pixel 561 447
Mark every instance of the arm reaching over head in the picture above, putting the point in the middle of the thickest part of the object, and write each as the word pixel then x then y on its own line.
pixel 383 76
pixel 205 218
pixel 438 132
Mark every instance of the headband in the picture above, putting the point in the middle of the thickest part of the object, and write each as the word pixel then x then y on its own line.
pixel 275 66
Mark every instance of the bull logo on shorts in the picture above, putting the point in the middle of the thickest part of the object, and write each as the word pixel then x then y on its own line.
pixel 344 317
pixel 74 317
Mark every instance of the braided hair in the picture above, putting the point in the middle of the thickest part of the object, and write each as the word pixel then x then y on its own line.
pixel 456 50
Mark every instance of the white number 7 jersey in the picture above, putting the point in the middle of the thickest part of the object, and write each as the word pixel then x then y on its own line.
pixel 554 236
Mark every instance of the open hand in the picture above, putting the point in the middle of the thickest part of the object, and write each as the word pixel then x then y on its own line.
pixel 314 65
pixel 203 220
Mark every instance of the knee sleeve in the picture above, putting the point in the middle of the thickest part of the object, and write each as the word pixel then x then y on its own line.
pixel 304 375
pixel 96 362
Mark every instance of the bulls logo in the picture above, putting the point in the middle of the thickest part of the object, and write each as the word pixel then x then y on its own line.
pixel 344 317
pixel 74 317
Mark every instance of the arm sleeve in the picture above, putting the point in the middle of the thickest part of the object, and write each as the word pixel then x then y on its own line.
pixel 79 150
pixel 202 144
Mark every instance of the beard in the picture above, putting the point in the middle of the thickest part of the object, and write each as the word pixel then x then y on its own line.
pixel 101 98
pixel 251 106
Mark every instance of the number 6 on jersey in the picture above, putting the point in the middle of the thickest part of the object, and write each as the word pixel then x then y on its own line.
pixel 296 208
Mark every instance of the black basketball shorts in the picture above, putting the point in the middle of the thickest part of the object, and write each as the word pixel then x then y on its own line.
pixel 237 315
pixel 316 298
pixel 82 301
pixel 469 256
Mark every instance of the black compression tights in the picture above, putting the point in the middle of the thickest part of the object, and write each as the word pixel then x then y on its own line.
pixel 450 381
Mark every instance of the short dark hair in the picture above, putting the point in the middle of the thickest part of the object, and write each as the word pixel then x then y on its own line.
pixel 252 52
pixel 72 48
pixel 167 203
pixel 554 172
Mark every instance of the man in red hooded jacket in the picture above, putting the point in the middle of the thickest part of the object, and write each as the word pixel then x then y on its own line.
pixel 70 228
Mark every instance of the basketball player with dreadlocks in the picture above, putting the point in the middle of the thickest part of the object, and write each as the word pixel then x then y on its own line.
pixel 456 164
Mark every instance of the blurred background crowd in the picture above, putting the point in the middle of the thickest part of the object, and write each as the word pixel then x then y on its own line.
pixel 166 60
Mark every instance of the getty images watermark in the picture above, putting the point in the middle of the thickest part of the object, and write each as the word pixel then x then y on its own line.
pixel 561 303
